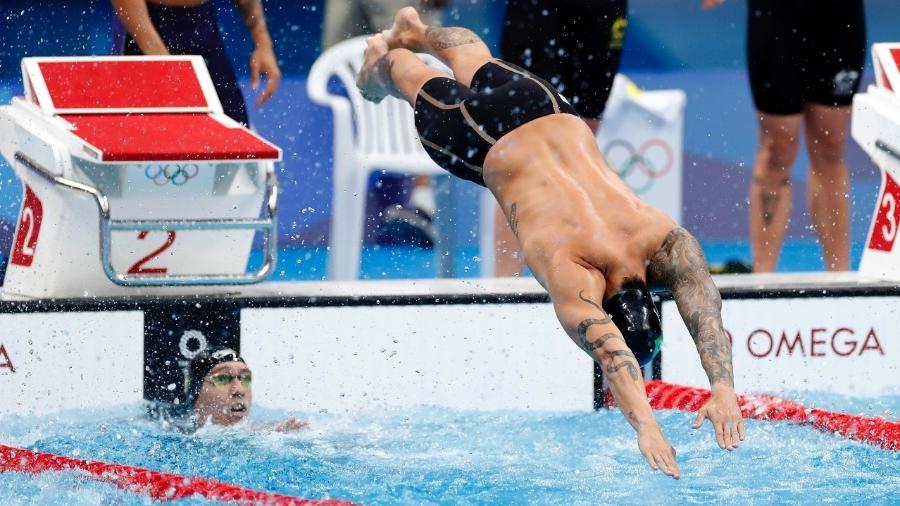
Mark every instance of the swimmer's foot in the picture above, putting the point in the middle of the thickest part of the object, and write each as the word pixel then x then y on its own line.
pixel 374 79
pixel 658 452
pixel 408 31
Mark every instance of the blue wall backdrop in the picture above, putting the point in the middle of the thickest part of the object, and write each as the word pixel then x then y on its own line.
pixel 669 44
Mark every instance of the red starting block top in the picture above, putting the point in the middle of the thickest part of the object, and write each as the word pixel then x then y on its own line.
pixel 98 85
pixel 887 66
pixel 132 109
pixel 148 137
pixel 123 85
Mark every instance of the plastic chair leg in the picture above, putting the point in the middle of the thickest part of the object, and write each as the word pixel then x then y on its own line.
pixel 347 220
pixel 445 223
pixel 486 243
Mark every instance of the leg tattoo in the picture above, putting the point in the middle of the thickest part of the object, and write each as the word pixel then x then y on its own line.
pixel 771 198
pixel 444 38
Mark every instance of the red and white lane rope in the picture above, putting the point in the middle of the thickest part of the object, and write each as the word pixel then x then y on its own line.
pixel 159 486
pixel 872 430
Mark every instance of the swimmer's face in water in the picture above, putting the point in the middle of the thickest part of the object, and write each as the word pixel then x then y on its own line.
pixel 225 395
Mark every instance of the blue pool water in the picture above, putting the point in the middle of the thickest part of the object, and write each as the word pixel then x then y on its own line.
pixel 440 456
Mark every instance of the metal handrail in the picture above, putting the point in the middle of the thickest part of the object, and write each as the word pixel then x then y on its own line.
pixel 268 224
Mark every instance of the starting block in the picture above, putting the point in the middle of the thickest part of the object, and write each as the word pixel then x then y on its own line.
pixel 134 180
pixel 876 127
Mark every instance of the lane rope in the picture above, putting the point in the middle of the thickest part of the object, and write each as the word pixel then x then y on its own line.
pixel 871 430
pixel 157 485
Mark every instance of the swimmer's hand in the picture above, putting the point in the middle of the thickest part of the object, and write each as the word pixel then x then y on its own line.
pixel 290 425
pixel 725 415
pixel 658 452
pixel 712 4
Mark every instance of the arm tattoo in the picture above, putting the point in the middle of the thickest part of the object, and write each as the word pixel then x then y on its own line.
pixel 589 301
pixel 630 363
pixel 679 263
pixel 582 339
pixel 591 347
pixel 583 343
pixel 514 219
pixel 444 38
pixel 251 12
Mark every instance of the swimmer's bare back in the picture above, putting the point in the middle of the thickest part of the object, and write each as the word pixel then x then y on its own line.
pixel 552 167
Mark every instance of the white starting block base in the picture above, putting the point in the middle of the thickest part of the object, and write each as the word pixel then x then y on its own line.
pixel 876 127
pixel 134 180
pixel 467 344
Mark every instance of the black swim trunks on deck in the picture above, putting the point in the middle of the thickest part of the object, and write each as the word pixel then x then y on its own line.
pixel 192 30
pixel 574 44
pixel 804 51
pixel 458 125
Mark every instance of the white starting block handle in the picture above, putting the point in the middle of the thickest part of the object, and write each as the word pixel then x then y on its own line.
pixel 268 224
pixel 891 151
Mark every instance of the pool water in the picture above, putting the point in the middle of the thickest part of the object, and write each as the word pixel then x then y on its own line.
pixel 435 455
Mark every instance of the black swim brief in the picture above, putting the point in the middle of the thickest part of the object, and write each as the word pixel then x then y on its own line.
pixel 804 51
pixel 459 125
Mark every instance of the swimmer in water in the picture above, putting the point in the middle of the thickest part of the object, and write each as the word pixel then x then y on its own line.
pixel 590 242
pixel 220 391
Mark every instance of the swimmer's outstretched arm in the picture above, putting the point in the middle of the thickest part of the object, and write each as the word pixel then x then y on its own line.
pixel 577 292
pixel 679 264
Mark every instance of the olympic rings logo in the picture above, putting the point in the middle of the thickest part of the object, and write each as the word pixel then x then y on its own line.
pixel 177 174
pixel 641 167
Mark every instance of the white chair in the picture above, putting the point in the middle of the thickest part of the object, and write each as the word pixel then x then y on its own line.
pixel 367 137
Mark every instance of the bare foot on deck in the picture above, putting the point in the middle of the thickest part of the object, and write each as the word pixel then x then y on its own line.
pixel 374 79
pixel 408 31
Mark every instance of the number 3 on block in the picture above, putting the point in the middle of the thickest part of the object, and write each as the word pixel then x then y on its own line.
pixel 887 217
pixel 139 266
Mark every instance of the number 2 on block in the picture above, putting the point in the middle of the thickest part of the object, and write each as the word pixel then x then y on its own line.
pixel 138 267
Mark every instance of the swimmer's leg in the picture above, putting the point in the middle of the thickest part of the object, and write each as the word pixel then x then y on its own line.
pixel 396 72
pixel 462 50
pixel 680 265
pixel 577 295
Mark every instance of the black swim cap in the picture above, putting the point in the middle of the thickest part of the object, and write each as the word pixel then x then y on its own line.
pixel 202 364
pixel 632 310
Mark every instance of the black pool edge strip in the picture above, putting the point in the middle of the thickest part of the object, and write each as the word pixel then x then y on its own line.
pixel 137 303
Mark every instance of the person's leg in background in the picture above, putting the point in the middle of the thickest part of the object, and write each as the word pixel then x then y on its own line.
pixel 829 202
pixel 775 58
pixel 770 189
pixel 211 46
pixel 839 38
